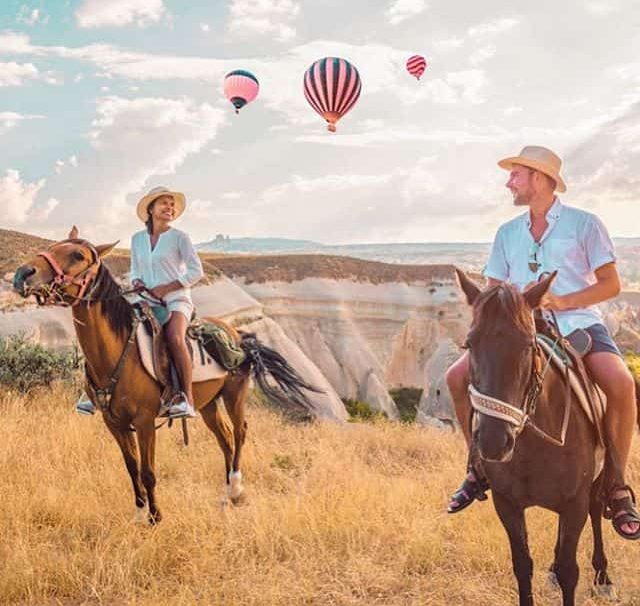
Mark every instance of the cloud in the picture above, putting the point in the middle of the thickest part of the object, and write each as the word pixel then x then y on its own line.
pixel 118 13
pixel 136 143
pixel 17 198
pixel 16 74
pixel 248 18
pixel 401 10
pixel 10 119
pixel 491 28
pixel 482 54
pixel 29 16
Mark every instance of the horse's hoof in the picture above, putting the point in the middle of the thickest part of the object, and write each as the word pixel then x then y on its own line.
pixel 552 580
pixel 239 499
pixel 140 516
pixel 605 592
pixel 154 518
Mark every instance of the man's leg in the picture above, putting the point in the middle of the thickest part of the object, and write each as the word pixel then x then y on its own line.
pixel 615 380
pixel 457 377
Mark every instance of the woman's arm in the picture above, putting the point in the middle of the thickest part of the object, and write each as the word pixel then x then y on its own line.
pixel 191 259
pixel 134 271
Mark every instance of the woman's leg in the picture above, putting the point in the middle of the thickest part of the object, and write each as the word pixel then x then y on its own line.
pixel 176 330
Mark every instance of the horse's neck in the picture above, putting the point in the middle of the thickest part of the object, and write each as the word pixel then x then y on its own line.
pixel 101 345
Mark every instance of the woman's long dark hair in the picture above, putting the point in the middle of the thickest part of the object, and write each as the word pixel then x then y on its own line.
pixel 149 221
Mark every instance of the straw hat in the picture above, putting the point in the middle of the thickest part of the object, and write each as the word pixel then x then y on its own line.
pixel 538 158
pixel 155 193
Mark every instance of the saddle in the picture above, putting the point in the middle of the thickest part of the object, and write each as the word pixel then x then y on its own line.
pixel 566 355
pixel 155 355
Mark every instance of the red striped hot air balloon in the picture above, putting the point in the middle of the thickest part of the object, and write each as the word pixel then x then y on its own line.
pixel 416 65
pixel 332 87
pixel 240 87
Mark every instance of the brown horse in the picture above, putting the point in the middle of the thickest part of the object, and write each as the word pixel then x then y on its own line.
pixel 521 407
pixel 71 273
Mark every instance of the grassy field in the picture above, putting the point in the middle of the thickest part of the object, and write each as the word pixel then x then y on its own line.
pixel 348 515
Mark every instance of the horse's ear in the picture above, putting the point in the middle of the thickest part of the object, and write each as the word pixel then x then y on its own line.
pixel 73 234
pixel 534 295
pixel 105 249
pixel 469 288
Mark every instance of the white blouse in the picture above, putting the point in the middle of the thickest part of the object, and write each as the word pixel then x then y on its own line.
pixel 173 258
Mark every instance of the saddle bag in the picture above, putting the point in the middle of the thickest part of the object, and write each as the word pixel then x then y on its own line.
pixel 218 343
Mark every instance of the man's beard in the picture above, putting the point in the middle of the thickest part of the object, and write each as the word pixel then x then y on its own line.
pixel 522 199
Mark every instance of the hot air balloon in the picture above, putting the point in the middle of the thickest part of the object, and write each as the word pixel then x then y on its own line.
pixel 332 87
pixel 240 87
pixel 416 65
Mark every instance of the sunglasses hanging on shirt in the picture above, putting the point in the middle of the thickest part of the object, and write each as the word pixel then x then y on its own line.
pixel 534 260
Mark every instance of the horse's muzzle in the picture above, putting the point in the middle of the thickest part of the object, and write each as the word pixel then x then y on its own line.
pixel 494 452
pixel 20 279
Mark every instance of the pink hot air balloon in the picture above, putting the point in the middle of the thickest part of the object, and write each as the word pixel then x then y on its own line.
pixel 240 87
pixel 416 65
pixel 332 87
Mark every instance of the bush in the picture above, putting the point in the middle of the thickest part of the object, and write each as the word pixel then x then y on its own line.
pixel 407 400
pixel 361 411
pixel 24 365
pixel 633 362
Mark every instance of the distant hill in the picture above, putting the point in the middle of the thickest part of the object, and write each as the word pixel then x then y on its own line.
pixel 257 245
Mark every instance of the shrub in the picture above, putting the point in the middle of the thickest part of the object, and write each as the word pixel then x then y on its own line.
pixel 361 411
pixel 407 400
pixel 24 365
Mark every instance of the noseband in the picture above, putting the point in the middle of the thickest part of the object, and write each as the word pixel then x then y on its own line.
pixel 53 293
pixel 523 417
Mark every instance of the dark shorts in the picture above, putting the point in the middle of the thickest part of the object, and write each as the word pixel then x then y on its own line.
pixel 601 340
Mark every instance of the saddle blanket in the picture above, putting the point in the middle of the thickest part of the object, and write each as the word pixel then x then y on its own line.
pixel 205 368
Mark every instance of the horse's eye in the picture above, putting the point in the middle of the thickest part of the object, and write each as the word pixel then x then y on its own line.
pixel 466 344
pixel 77 255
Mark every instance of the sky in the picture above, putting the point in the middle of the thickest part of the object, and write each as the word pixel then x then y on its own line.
pixel 101 100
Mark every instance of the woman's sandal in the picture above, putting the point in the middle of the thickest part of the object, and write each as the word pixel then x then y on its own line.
pixel 469 491
pixel 623 511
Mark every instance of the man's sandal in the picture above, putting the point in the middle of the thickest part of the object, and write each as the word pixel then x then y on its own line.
pixel 623 511
pixel 469 491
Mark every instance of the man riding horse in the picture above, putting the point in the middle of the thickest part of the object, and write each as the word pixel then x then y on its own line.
pixel 554 237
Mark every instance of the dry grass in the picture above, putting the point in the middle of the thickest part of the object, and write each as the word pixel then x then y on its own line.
pixel 335 515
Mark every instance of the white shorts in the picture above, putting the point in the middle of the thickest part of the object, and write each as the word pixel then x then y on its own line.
pixel 183 305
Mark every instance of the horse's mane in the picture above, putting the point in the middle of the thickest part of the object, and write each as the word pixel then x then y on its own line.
pixel 115 307
pixel 502 303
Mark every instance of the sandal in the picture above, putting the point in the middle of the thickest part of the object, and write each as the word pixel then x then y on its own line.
pixel 623 511
pixel 471 490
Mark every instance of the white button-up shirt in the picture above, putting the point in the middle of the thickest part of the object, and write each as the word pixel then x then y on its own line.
pixel 173 258
pixel 576 243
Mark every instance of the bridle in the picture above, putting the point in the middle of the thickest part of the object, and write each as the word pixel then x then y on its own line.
pixel 53 292
pixel 521 418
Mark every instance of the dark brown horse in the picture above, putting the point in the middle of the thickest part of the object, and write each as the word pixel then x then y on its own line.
pixel 71 273
pixel 520 456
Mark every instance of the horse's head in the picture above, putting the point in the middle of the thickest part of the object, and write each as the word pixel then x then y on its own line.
pixel 503 361
pixel 61 274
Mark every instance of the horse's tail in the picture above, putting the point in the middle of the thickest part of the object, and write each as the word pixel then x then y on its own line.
pixel 265 362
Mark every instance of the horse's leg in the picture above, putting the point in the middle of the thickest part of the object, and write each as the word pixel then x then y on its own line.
pixel 212 416
pixel 512 518
pixel 127 443
pixel 572 520
pixel 234 394
pixel 602 584
pixel 147 444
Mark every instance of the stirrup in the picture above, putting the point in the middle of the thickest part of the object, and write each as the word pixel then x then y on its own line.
pixel 84 405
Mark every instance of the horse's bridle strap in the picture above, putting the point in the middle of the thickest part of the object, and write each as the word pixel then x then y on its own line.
pixel 83 279
pixel 492 407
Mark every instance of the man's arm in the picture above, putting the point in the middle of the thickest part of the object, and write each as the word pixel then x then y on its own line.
pixel 607 287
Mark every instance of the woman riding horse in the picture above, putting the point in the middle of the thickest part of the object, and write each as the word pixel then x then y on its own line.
pixel 164 263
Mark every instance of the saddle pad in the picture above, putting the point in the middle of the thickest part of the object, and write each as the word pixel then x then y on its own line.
pixel 201 372
pixel 576 386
